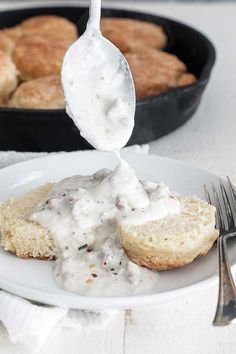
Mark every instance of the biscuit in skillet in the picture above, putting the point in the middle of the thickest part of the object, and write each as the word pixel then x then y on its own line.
pixel 130 34
pixel 49 25
pixel 154 71
pixel 8 77
pixel 6 43
pixel 14 33
pixel 186 79
pixel 36 56
pixel 45 92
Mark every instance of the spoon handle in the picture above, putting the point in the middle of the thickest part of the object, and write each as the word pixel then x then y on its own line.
pixel 94 14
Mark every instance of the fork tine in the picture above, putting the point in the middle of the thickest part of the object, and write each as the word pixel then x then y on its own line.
pixel 208 198
pixel 232 192
pixel 228 211
pixel 219 211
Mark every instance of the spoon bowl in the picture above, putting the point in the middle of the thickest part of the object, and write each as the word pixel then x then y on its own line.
pixel 98 87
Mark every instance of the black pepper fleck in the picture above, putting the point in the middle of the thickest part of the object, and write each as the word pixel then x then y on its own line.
pixel 82 247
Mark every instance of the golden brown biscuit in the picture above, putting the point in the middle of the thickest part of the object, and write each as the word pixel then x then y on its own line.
pixel 129 34
pixel 14 33
pixel 6 43
pixel 45 92
pixel 37 56
pixel 49 25
pixel 186 79
pixel 25 238
pixel 8 77
pixel 173 241
pixel 154 71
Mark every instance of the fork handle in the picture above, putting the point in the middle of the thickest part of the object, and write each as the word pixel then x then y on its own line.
pixel 226 306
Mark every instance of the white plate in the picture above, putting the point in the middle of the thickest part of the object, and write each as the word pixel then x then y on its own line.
pixel 32 278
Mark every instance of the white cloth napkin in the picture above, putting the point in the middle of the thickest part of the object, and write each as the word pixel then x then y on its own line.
pixel 30 324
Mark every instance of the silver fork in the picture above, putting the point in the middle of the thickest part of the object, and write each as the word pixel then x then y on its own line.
pixel 225 203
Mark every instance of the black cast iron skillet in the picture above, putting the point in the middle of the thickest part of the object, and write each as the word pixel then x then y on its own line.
pixel 53 130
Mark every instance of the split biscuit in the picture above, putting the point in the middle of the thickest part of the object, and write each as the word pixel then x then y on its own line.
pixel 21 236
pixel 173 241
pixel 170 242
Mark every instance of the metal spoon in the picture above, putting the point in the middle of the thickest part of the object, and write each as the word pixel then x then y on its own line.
pixel 98 87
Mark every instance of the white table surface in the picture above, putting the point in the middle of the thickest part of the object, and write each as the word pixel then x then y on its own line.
pixel 208 140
